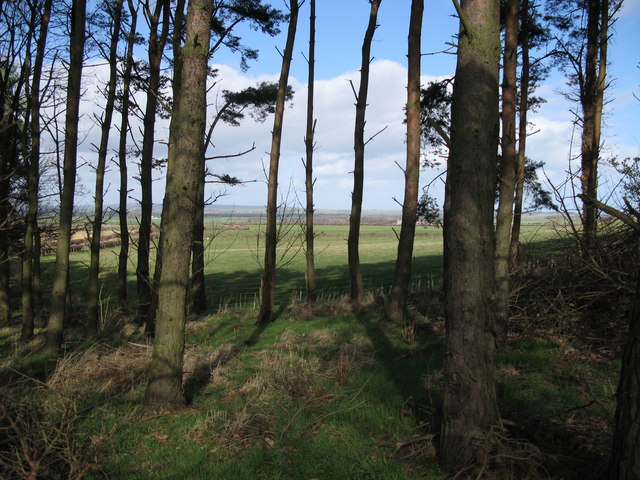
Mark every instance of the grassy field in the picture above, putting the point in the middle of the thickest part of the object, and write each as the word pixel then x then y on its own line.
pixel 320 394
pixel 233 259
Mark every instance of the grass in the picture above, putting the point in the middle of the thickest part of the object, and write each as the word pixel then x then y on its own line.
pixel 326 394
pixel 323 394
pixel 232 264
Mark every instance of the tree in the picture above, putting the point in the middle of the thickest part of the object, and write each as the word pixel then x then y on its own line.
pixel 353 241
pixel 258 101
pixel 582 53
pixel 55 325
pixel 508 169
pixel 268 283
pixel 157 41
pixel 123 255
pixel 114 12
pixel 310 274
pixel 185 152
pixel 469 397
pixel 514 246
pixel 397 299
pixel 33 180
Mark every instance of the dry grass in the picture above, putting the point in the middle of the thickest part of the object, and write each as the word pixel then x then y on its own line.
pixel 101 369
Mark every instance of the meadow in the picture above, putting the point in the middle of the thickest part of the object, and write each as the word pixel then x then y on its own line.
pixel 233 259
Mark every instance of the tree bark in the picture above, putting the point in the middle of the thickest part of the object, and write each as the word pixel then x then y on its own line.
pixel 33 181
pixel 514 248
pixel 589 147
pixel 398 298
pixel 55 325
pixel 469 397
pixel 93 289
pixel 268 284
pixel 308 164
pixel 174 130
pixel 156 48
pixel 123 255
pixel 509 164
pixel 165 378
pixel 353 241
pixel 625 463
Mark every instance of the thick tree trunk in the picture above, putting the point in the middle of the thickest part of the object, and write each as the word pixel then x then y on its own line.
pixel 156 48
pixel 509 164
pixel 55 325
pixel 33 182
pixel 123 255
pixel 93 289
pixel 353 241
pixel 165 377
pixel 469 398
pixel 625 462
pixel 174 131
pixel 268 284
pixel 514 248
pixel 398 298
pixel 308 164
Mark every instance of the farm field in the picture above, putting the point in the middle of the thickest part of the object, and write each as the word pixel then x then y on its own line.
pixel 233 258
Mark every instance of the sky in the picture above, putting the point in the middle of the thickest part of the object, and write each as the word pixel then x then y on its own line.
pixel 340 28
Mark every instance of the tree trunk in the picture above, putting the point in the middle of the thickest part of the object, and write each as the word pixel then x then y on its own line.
pixel 123 255
pixel 156 48
pixel 174 129
pixel 198 282
pixel 589 148
pixel 268 284
pixel 93 289
pixel 625 462
pixel 509 164
pixel 514 248
pixel 469 398
pixel 55 326
pixel 308 164
pixel 353 241
pixel 165 377
pixel 400 289
pixel 33 182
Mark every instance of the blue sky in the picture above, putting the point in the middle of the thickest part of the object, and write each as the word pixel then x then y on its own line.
pixel 340 28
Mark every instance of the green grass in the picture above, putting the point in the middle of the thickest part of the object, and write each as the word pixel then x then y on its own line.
pixel 233 263
pixel 328 396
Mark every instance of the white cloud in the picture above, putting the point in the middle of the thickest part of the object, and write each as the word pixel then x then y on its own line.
pixel 333 157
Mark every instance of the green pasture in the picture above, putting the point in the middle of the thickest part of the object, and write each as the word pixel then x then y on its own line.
pixel 234 254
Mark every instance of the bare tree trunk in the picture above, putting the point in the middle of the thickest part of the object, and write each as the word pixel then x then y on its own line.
pixel 514 248
pixel 469 397
pixel 93 289
pixel 198 282
pixel 156 47
pixel 396 304
pixel 33 181
pixel 353 241
pixel 174 130
pixel 624 462
pixel 123 255
pixel 308 164
pixel 268 285
pixel 509 164
pixel 55 326
pixel 38 305
pixel 165 378
pixel 588 100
